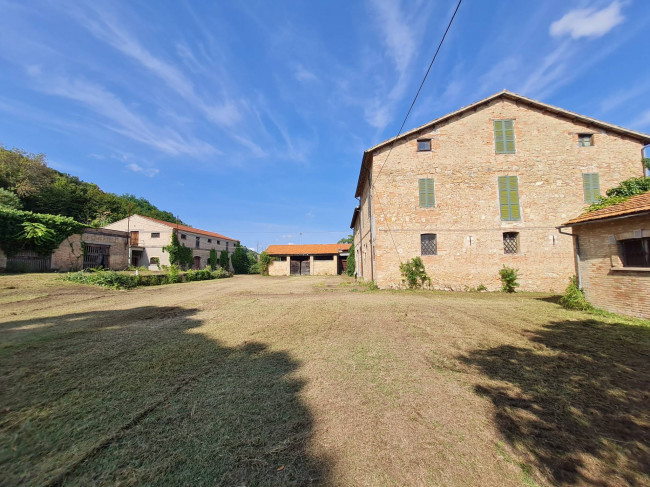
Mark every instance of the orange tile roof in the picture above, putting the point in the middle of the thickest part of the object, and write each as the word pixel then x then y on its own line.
pixel 185 228
pixel 636 204
pixel 307 249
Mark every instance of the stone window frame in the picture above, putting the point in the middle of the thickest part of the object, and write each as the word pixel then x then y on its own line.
pixel 155 235
pixel 426 147
pixel 586 136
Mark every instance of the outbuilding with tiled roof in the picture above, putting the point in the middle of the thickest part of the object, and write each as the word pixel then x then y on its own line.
pixel 612 256
pixel 309 259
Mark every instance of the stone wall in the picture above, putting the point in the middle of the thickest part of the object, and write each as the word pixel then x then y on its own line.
pixel 69 255
pixel 279 268
pixel 466 219
pixel 324 267
pixel 606 283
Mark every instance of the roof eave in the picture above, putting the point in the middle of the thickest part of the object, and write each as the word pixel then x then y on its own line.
pixel 605 217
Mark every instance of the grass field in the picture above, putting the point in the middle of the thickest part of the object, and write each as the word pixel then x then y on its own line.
pixel 299 381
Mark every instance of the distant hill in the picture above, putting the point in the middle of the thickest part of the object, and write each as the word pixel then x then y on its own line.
pixel 42 189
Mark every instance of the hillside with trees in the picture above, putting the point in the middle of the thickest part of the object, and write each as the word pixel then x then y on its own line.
pixel 27 183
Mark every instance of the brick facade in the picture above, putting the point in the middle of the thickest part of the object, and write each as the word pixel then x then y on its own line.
pixel 548 163
pixel 606 283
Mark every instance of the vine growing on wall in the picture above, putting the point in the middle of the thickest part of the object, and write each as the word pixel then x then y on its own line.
pixel 179 254
pixel 42 233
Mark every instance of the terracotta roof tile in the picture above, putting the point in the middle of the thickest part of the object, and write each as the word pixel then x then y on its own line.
pixel 307 249
pixel 636 204
pixel 185 228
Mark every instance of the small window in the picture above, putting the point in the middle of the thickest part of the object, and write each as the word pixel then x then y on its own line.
pixel 323 257
pixel 427 192
pixel 155 235
pixel 183 236
pixel 154 261
pixel 429 244
pixel 585 140
pixel 509 198
pixel 591 187
pixel 218 242
pixel 504 136
pixel 209 240
pixel 226 244
pixel 282 258
pixel 511 243
pixel 198 241
pixel 424 145
pixel 635 252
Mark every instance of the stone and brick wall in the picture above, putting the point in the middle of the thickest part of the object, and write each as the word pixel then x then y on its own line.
pixel 279 267
pixel 69 255
pixel 466 218
pixel 606 283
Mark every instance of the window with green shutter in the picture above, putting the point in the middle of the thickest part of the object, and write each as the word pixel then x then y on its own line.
pixel 591 187
pixel 509 198
pixel 427 193
pixel 504 136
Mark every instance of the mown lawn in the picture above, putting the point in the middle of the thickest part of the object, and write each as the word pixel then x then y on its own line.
pixel 299 381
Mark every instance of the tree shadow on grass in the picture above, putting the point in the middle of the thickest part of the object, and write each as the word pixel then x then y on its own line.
pixel 578 400
pixel 141 396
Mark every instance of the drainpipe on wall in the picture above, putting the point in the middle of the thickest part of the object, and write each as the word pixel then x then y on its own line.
pixel 576 253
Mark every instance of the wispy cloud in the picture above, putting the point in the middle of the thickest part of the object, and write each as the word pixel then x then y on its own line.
pixel 149 172
pixel 302 74
pixel 588 22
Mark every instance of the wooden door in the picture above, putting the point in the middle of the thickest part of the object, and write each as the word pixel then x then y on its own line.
pixel 294 266
pixel 197 262
pixel 304 267
pixel 135 238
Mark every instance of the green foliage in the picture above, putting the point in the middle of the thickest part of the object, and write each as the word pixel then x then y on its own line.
pixel 573 297
pixel 121 280
pixel 351 262
pixel 509 278
pixel 253 265
pixel 9 199
pixel 44 190
pixel 240 261
pixel 224 260
pixel 179 254
pixel 264 263
pixel 646 162
pixel 212 260
pixel 414 274
pixel 24 230
pixel 349 239
pixel 622 192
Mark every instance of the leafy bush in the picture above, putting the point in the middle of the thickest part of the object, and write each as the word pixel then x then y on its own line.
pixel 351 262
pixel 110 279
pixel 573 297
pixel 24 230
pixel 414 274
pixel 509 278
pixel 212 260
pixel 224 260
pixel 10 199
pixel 239 259
pixel 264 263
pixel 622 192
pixel 179 254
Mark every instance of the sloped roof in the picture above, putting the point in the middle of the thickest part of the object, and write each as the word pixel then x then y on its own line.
pixel 505 94
pixel 355 215
pixel 636 204
pixel 185 228
pixel 309 249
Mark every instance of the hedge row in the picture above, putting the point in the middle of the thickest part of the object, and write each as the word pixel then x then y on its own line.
pixel 119 280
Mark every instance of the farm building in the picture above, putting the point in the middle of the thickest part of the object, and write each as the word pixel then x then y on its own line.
pixel 612 256
pixel 486 186
pixel 148 236
pixel 93 248
pixel 314 259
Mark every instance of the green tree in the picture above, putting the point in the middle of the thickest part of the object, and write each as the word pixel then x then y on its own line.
pixel 351 262
pixel 179 254
pixel 349 239
pixel 9 199
pixel 622 192
pixel 264 263
pixel 240 261
pixel 212 260
pixel 224 260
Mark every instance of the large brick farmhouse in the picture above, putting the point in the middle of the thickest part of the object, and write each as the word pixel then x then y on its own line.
pixel 487 186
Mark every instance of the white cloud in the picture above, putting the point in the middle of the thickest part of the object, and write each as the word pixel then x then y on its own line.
pixel 149 172
pixel 642 122
pixel 310 214
pixel 303 74
pixel 588 22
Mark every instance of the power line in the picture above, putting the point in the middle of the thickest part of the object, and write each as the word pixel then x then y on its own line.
pixel 442 40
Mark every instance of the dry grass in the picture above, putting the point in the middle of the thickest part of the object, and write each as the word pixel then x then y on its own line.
pixel 297 381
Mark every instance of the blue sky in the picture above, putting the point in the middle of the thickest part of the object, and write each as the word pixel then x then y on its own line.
pixel 250 118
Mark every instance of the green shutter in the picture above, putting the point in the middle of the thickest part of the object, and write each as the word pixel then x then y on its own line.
pixel 509 198
pixel 591 187
pixel 504 136
pixel 427 192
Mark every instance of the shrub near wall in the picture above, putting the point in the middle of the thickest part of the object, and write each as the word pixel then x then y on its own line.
pixel 121 280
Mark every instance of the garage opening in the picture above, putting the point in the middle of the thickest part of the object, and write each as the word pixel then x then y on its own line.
pixel 299 265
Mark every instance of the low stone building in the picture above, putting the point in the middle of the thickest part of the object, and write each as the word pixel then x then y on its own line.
pixel 612 256
pixel 484 187
pixel 313 259
pixel 148 236
pixel 94 247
